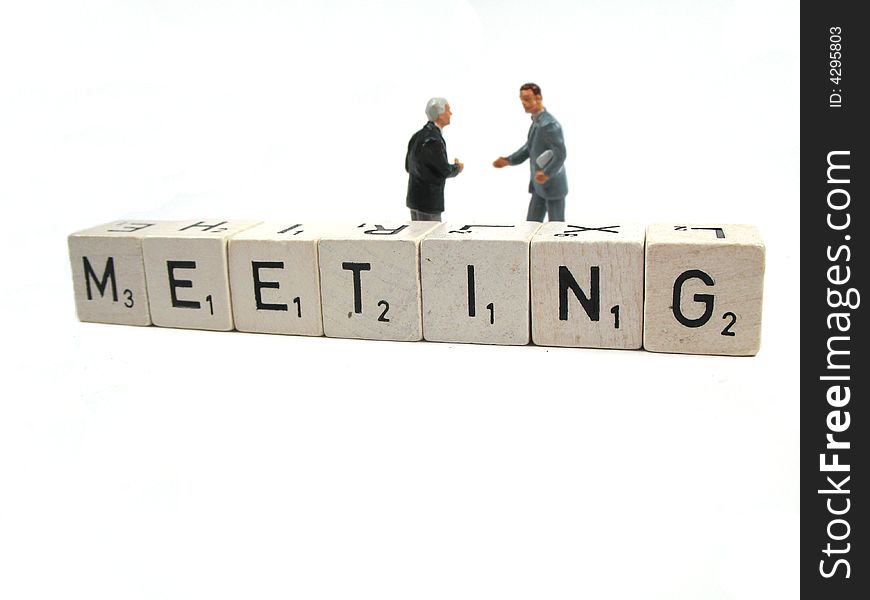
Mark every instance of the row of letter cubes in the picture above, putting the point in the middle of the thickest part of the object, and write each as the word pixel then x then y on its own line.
pixel 668 288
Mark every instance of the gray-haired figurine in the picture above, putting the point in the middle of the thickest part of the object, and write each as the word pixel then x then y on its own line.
pixel 427 165
pixel 545 147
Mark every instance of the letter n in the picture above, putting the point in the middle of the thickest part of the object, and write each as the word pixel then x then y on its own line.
pixel 591 304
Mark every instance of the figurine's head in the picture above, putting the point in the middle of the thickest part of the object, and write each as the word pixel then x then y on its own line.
pixel 438 111
pixel 530 96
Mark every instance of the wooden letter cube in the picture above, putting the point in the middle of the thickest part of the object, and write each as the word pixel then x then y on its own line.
pixel 476 283
pixel 587 285
pixel 186 270
pixel 275 280
pixel 370 281
pixel 109 274
pixel 704 286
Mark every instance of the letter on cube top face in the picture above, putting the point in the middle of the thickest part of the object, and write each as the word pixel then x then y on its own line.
pixel 109 273
pixel 587 285
pixel 187 274
pixel 703 289
pixel 476 283
pixel 370 280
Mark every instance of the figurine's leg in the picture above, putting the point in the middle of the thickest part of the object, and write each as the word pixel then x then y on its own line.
pixel 537 209
pixel 556 209
pixel 419 215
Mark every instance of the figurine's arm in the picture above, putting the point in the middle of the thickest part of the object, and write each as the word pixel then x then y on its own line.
pixel 514 159
pixel 408 154
pixel 553 141
pixel 520 156
pixel 435 157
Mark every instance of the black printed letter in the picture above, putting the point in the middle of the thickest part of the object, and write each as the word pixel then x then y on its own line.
pixel 259 285
pixel 707 299
pixel 171 265
pixel 357 286
pixel 108 275
pixel 592 305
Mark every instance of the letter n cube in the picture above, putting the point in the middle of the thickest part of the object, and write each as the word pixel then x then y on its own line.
pixel 476 283
pixel 186 270
pixel 703 289
pixel 587 285
pixel 370 281
pixel 109 273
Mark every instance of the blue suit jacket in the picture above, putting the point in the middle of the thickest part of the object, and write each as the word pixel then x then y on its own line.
pixel 545 134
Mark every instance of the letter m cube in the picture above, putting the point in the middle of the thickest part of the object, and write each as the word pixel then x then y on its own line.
pixel 108 271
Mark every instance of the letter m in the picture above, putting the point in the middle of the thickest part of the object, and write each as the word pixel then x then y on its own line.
pixel 833 353
pixel 108 274
pixel 833 167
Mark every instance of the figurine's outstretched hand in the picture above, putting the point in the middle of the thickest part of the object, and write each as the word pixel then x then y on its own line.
pixel 541 177
pixel 461 165
pixel 500 162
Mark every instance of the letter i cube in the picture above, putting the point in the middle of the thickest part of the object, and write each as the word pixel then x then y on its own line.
pixel 370 281
pixel 275 280
pixel 109 272
pixel 704 287
pixel 587 285
pixel 476 283
pixel 186 271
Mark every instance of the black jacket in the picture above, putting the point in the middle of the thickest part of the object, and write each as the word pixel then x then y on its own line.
pixel 427 167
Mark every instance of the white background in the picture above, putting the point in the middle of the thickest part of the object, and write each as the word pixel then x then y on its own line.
pixel 157 463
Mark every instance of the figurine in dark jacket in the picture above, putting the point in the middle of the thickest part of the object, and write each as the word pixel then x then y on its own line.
pixel 545 151
pixel 427 166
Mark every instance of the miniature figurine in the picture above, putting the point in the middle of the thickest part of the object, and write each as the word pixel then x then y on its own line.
pixel 545 148
pixel 427 166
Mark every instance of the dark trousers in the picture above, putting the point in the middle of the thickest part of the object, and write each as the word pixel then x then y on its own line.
pixel 419 215
pixel 539 207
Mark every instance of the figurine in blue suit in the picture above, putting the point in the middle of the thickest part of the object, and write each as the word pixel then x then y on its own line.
pixel 545 150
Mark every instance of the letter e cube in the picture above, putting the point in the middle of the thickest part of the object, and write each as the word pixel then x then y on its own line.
pixel 186 271
pixel 275 280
